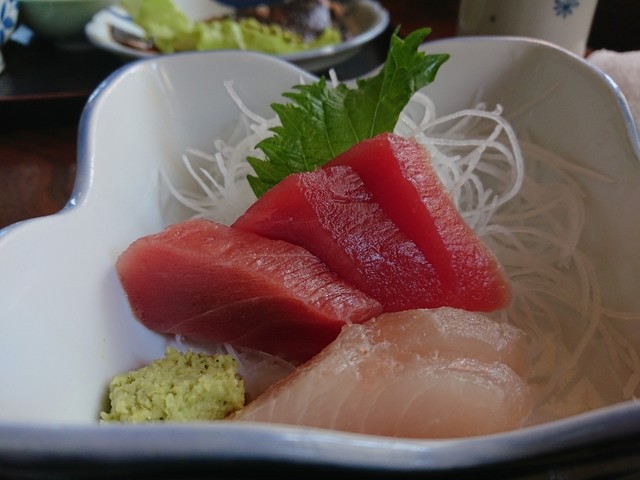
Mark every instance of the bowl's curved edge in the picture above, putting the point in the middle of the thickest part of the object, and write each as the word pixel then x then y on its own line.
pixel 228 441
pixel 632 129
pixel 84 171
pixel 83 174
pixel 84 155
pixel 93 30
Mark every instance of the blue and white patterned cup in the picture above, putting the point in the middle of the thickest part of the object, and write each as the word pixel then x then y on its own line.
pixel 564 22
pixel 8 23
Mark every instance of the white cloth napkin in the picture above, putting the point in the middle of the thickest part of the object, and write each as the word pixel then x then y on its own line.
pixel 624 69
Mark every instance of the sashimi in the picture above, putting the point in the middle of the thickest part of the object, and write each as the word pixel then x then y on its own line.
pixel 398 173
pixel 210 282
pixel 452 332
pixel 413 374
pixel 331 214
pixel 434 258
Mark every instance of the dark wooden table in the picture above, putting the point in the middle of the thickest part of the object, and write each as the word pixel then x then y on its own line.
pixel 44 89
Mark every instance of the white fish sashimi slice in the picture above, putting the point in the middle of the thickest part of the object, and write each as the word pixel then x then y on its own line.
pixel 454 332
pixel 410 374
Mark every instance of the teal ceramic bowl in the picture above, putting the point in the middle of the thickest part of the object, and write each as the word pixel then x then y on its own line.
pixel 60 20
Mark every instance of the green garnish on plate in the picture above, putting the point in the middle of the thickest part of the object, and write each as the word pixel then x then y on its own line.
pixel 171 30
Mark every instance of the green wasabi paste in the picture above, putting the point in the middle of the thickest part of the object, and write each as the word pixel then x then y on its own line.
pixel 178 387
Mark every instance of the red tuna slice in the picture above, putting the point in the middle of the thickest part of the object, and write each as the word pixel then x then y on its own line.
pixel 213 283
pixel 456 268
pixel 413 374
pixel 398 173
pixel 331 214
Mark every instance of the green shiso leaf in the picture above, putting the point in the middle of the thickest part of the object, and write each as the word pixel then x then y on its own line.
pixel 321 122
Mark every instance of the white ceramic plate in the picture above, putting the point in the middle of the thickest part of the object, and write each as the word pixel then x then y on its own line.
pixel 66 328
pixel 364 19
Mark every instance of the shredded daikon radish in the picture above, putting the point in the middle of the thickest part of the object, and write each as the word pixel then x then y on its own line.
pixel 527 205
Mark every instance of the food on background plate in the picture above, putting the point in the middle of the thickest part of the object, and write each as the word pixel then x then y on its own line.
pixel 178 387
pixel 416 374
pixel 307 18
pixel 293 26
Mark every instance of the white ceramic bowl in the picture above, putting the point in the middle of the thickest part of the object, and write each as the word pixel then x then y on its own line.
pixel 66 328
pixel 60 20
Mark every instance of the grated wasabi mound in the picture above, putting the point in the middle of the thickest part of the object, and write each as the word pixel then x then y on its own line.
pixel 178 387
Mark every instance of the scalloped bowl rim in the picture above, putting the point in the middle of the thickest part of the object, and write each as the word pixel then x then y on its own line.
pixel 226 441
